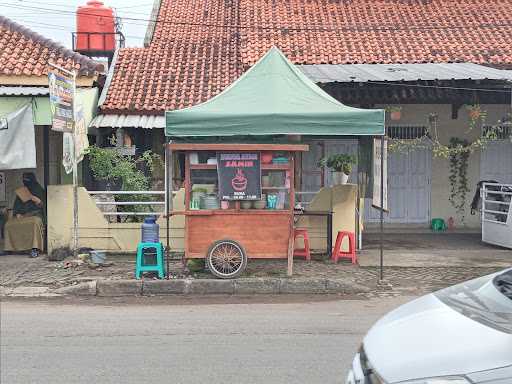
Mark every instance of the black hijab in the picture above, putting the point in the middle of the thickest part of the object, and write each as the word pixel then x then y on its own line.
pixel 30 181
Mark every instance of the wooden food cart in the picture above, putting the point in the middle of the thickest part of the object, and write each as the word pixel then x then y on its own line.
pixel 239 201
pixel 271 102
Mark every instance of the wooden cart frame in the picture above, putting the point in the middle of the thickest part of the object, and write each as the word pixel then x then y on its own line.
pixel 260 233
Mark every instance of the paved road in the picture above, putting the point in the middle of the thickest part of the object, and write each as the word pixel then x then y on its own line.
pixel 201 341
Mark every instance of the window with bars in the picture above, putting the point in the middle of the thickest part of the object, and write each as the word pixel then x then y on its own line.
pixel 497 132
pixel 407 132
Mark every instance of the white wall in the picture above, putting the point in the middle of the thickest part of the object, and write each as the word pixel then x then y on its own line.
pixel 417 114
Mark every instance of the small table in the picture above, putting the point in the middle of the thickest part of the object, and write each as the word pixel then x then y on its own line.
pixel 328 215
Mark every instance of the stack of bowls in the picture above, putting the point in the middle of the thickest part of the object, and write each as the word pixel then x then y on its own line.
pixel 260 204
pixel 246 204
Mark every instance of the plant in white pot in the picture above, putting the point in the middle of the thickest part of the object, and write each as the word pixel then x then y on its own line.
pixel 340 166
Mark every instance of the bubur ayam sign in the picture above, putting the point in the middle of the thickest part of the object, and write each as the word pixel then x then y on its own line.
pixel 239 176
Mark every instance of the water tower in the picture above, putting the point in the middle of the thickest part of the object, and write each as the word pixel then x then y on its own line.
pixel 97 31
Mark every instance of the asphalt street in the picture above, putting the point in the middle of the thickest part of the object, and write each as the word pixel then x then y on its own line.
pixel 164 340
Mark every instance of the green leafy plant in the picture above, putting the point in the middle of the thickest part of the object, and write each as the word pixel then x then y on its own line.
pixel 476 115
pixel 338 163
pixel 431 140
pixel 458 175
pixel 113 167
pixel 154 163
pixel 393 108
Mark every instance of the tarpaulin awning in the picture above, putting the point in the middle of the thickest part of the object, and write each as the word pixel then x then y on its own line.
pixel 272 98
pixel 17 139
pixel 88 97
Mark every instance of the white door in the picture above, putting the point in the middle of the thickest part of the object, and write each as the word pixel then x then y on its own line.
pixel 409 188
pixel 496 162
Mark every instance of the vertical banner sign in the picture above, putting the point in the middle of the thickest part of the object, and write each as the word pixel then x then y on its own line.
pixel 68 152
pixel 2 186
pixel 377 182
pixel 239 176
pixel 81 141
pixel 75 149
pixel 61 84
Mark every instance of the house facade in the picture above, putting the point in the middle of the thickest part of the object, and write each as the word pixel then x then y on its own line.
pixel 24 58
pixel 434 61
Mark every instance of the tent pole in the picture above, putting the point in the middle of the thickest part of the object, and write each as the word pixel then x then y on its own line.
pixel 75 173
pixel 382 207
pixel 168 203
pixel 46 178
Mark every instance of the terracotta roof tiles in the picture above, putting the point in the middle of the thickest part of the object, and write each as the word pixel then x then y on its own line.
pixel 24 52
pixel 201 46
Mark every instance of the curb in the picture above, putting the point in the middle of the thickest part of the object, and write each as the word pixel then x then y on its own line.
pixel 244 286
pixel 27 292
pixel 248 286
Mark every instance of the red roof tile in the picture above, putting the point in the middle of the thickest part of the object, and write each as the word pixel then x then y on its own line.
pixel 24 52
pixel 200 46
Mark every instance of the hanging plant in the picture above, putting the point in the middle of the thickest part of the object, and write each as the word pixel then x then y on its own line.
pixel 476 115
pixel 432 141
pixel 395 112
pixel 459 156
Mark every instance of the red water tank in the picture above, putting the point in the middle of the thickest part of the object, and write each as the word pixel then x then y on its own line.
pixel 95 26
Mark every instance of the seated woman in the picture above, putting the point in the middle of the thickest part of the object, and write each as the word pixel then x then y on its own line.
pixel 25 230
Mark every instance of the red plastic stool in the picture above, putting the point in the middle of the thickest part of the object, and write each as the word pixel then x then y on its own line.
pixel 301 232
pixel 338 253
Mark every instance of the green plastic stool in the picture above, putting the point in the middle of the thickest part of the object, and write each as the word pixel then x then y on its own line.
pixel 158 267
pixel 438 225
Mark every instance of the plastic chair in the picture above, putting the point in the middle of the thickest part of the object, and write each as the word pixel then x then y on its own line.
pixel 306 252
pixel 338 253
pixel 158 267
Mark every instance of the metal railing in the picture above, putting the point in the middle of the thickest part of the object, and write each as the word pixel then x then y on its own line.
pixel 496 202
pixel 304 197
pixel 497 132
pixel 153 205
pixel 119 40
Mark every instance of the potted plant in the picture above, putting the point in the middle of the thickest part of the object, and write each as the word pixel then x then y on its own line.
pixel 395 112
pixel 340 165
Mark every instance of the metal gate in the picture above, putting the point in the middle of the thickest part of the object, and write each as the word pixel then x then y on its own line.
pixel 409 187
pixel 496 162
pixel 497 214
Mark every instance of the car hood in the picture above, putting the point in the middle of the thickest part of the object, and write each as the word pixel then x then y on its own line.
pixel 427 338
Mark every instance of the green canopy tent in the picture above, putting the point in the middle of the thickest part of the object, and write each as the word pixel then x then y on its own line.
pixel 273 98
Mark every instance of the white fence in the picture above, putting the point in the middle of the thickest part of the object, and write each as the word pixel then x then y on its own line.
pixel 497 214
pixel 105 201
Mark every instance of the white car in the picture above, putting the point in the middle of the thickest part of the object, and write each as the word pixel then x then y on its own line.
pixel 459 335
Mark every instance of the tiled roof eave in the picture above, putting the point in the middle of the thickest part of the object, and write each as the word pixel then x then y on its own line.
pixel 186 64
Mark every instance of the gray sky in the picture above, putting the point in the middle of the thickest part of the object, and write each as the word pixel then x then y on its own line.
pixel 55 19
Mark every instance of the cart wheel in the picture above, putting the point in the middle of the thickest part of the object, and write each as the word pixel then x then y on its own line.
pixel 226 259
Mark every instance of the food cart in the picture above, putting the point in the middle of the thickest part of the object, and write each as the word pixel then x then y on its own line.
pixel 239 203
pixel 240 152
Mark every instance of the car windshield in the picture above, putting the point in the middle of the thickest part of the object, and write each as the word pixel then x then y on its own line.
pixel 486 300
